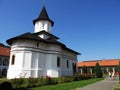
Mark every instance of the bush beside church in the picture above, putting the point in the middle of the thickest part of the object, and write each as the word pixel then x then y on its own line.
pixel 42 81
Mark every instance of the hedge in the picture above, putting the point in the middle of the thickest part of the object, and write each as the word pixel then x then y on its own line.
pixel 37 82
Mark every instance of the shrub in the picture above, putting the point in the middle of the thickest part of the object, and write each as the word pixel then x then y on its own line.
pixel 19 83
pixel 6 86
pixel 37 82
pixel 48 80
pixel 76 77
pixel 34 82
pixel 84 69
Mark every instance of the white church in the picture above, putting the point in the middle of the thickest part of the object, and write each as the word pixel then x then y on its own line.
pixel 40 53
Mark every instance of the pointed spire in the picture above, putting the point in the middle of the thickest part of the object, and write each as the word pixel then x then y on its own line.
pixel 43 16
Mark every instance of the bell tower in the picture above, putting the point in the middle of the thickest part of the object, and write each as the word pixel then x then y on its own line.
pixel 43 22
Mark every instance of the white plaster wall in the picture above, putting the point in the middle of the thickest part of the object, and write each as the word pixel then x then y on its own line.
pixel 51 66
pixel 15 70
pixel 69 54
pixel 54 47
pixel 67 71
pixel 72 58
pixel 27 60
pixel 44 36
pixel 48 65
pixel 34 64
pixel 51 61
pixel 56 71
pixel 26 70
pixel 33 61
pixel 43 25
pixel 42 45
pixel 41 65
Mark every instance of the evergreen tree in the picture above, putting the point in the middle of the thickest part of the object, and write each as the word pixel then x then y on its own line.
pixel 84 69
pixel 98 71
pixel 119 71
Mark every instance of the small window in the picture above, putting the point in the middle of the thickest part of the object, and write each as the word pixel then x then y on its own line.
pixel 13 60
pixel 58 61
pixel 67 64
pixel 37 44
pixel 43 25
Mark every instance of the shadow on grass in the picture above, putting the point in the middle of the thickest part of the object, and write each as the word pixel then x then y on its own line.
pixel 8 86
pixel 22 89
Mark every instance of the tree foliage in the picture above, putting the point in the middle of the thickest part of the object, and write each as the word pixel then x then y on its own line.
pixel 119 71
pixel 84 69
pixel 98 71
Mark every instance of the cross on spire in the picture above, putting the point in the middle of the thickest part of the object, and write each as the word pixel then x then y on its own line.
pixel 43 1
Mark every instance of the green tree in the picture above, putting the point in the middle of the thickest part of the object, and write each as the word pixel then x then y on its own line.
pixel 98 71
pixel 84 69
pixel 119 71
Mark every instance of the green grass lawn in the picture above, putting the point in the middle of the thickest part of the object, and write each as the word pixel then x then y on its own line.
pixel 67 86
pixel 117 87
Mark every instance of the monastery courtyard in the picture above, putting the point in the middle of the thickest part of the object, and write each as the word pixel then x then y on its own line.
pixel 105 84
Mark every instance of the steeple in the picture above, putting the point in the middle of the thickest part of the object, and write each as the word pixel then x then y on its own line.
pixel 43 22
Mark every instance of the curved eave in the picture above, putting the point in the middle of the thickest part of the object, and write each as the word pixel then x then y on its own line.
pixel 73 51
pixel 38 19
pixel 10 41
pixel 64 46
pixel 30 36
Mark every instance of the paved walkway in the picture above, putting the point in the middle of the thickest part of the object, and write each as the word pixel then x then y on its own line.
pixel 105 84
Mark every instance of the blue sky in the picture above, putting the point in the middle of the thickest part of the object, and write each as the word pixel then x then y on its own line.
pixel 91 27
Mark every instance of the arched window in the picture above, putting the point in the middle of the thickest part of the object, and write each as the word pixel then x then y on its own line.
pixel 67 64
pixel 13 60
pixel 58 61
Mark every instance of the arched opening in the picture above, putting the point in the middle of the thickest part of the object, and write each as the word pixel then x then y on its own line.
pixel 58 61
pixel 67 64
pixel 13 60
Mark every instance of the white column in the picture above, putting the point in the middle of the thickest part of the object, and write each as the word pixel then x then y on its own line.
pixel 81 71
pixel 91 70
pixel 113 69
pixel 107 69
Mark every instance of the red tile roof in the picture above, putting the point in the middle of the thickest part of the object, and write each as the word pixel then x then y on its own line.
pixel 4 51
pixel 112 62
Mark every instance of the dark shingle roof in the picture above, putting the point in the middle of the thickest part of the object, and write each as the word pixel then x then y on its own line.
pixel 43 16
pixel 34 36
pixel 24 36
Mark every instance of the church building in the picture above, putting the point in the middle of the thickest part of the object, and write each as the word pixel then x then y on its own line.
pixel 40 53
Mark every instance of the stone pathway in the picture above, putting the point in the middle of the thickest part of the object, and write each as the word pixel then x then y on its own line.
pixel 105 84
